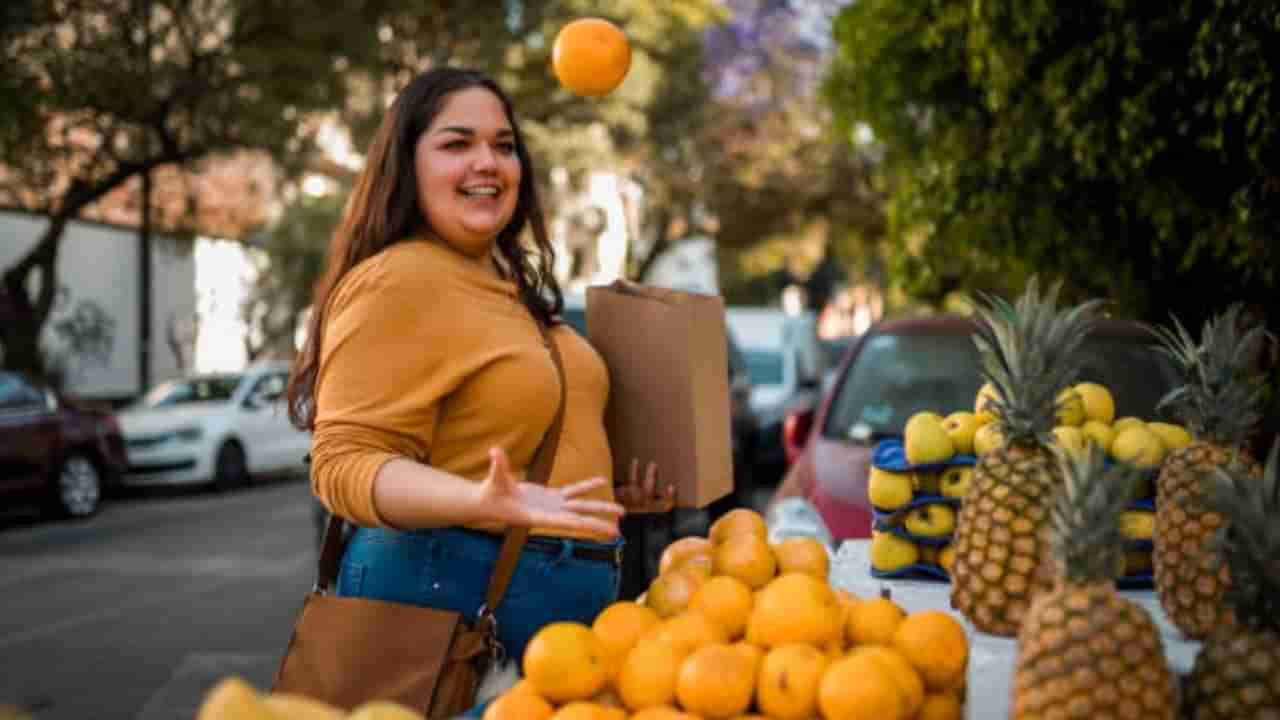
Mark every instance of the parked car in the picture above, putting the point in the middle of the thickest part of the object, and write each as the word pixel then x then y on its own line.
pixel 217 429
pixel 54 451
pixel 903 366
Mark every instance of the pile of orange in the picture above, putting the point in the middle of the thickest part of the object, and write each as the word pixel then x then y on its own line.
pixel 736 627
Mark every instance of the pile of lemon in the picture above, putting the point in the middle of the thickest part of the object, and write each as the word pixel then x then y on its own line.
pixel 1087 414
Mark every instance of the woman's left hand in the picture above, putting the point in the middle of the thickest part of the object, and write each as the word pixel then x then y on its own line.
pixel 646 496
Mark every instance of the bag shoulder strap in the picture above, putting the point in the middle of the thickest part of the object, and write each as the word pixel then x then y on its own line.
pixel 540 474
pixel 513 541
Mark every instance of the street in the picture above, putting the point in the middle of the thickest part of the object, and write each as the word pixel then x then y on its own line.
pixel 135 613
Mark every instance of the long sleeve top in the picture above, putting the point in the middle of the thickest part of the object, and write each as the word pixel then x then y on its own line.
pixel 428 356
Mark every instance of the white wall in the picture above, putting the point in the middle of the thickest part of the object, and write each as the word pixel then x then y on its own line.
pixel 100 263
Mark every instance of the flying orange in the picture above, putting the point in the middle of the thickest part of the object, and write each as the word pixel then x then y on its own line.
pixel 591 56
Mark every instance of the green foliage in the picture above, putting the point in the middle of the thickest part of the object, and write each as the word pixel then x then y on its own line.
pixel 1128 146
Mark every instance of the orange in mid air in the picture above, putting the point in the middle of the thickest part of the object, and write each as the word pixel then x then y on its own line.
pixel 591 56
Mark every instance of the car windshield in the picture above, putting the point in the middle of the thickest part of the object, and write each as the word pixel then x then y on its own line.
pixel 211 388
pixel 896 376
pixel 764 367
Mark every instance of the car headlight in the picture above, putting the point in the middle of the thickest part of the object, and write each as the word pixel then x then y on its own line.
pixel 190 434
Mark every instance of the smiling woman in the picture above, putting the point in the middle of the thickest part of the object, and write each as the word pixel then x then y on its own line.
pixel 436 368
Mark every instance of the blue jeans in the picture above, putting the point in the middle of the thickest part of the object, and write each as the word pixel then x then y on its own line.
pixel 449 569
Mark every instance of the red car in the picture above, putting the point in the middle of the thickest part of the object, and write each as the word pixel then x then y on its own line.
pixel 906 365
pixel 53 452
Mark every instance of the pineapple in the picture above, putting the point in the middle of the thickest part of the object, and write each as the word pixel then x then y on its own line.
pixel 1030 353
pixel 1083 650
pixel 1237 672
pixel 1220 403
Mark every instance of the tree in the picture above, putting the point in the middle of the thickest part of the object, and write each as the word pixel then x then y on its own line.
pixel 1127 146
pixel 291 260
pixel 115 89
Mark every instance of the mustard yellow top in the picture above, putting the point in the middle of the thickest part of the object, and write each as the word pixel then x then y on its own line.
pixel 428 356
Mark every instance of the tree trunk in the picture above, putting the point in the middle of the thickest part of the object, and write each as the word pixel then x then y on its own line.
pixel 24 316
pixel 661 225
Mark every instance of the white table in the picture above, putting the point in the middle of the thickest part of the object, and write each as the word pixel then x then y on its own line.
pixel 991 658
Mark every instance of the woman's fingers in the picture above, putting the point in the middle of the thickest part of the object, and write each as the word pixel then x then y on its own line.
pixel 567 521
pixel 596 507
pixel 583 487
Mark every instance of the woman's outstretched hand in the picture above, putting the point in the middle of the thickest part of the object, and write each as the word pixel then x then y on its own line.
pixel 645 496
pixel 525 504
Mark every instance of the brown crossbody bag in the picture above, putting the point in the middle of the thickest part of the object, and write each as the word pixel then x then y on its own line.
pixel 347 651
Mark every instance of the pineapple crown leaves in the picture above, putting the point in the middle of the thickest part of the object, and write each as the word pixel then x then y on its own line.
pixel 1086 542
pixel 1030 351
pixel 1222 395
pixel 1249 541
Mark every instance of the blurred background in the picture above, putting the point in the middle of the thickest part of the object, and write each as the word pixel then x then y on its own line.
pixel 171 170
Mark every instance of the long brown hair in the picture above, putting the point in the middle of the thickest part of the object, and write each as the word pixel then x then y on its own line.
pixel 383 210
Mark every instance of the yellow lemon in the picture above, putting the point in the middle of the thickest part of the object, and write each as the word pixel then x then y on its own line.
pixel 890 552
pixel 1125 422
pixel 1174 437
pixel 1138 524
pixel 926 440
pixel 1070 408
pixel 960 427
pixel 1100 433
pixel 1070 438
pixel 933 520
pixel 1099 405
pixel 985 414
pixel 888 490
pixel 955 481
pixel 1138 446
pixel 987 439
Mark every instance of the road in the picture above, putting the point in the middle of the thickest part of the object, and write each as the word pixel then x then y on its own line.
pixel 135 613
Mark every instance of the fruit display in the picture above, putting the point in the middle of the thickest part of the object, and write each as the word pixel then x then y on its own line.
pixel 735 626
pixel 1235 674
pixel 1083 648
pixel 1030 351
pixel 1220 400
pixel 915 486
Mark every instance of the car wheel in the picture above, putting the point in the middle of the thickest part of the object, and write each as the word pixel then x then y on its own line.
pixel 230 469
pixel 78 491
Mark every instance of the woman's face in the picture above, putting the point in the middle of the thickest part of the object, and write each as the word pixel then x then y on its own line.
pixel 468 171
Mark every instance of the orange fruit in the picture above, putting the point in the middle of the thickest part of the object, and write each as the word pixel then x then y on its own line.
pixel 941 706
pixel 591 56
pixel 647 677
pixel 739 521
pixel 803 555
pixel 747 557
pixel 662 712
pixel 687 632
pixel 753 653
pixel 716 681
pixel 796 608
pixel 937 647
pixel 787 683
pixel 873 621
pixel 681 550
pixel 583 710
pixel 669 593
pixel 565 661
pixel 903 674
pixel 518 706
pixel 619 626
pixel 858 688
pixel 726 600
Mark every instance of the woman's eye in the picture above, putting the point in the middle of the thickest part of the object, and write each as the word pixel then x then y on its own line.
pixel 455 145
pixel 507 148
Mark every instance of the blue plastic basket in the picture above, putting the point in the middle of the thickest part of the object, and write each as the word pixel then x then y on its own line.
pixel 890 455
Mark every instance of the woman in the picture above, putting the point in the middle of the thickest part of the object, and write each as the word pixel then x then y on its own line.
pixel 428 388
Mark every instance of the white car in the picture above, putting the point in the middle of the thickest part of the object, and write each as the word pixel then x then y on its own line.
pixel 218 428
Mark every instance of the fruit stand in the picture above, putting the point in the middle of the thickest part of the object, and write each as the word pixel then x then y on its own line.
pixel 991 658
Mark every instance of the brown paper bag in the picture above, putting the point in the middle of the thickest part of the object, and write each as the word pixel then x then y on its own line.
pixel 667 354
